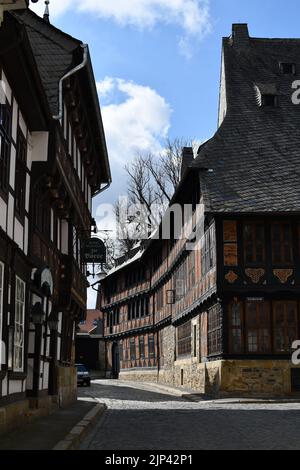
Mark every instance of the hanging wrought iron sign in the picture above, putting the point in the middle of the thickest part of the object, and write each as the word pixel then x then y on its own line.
pixel 94 251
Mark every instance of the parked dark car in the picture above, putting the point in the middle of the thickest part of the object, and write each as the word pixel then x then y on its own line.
pixel 83 375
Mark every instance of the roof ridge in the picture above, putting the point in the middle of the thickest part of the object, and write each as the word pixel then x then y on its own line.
pixel 18 14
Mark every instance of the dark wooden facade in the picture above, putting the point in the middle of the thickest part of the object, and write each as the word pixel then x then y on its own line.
pixel 224 310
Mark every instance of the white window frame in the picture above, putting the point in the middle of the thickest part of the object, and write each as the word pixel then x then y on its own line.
pixel 19 324
pixel 1 312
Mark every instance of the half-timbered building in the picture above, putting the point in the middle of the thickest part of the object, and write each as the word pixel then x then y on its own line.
pixel 53 160
pixel 220 315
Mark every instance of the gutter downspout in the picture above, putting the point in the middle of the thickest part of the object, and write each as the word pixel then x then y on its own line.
pixel 59 116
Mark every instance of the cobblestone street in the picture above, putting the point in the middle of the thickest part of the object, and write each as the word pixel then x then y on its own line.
pixel 144 417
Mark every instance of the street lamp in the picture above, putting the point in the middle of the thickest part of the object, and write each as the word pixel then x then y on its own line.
pixel 53 321
pixel 37 314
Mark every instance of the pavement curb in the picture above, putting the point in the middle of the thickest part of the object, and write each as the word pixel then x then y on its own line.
pixel 200 398
pixel 79 432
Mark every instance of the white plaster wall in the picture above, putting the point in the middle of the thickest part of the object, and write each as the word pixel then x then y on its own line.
pixel 15 386
pixel 39 146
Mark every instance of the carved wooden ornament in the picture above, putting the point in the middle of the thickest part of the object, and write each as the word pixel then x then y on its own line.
pixel 283 274
pixel 231 277
pixel 255 275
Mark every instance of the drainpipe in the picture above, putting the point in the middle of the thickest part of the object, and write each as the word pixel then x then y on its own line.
pixel 79 67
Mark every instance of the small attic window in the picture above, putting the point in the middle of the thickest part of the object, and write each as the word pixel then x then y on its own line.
pixel 288 68
pixel 269 100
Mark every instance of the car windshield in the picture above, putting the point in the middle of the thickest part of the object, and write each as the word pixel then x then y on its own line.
pixel 81 368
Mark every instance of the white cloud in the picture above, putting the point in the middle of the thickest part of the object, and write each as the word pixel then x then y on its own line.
pixel 105 87
pixel 138 123
pixel 192 16
pixel 136 120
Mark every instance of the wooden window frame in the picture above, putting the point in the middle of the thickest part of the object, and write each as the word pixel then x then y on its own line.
pixel 19 325
pixel 184 339
pixel 282 261
pixel 254 244
pixel 285 303
pixel 151 350
pixel 258 328
pixel 132 349
pixel 214 330
pixel 142 347
pixel 234 327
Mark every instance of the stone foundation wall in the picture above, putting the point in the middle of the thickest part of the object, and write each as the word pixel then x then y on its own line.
pixel 256 377
pixel 23 412
pixel 13 415
pixel 67 385
pixel 139 375
pixel 218 378
pixel 222 378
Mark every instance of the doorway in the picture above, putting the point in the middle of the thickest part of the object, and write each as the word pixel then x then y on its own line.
pixel 115 361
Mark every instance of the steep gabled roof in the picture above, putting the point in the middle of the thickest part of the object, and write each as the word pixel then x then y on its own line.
pixel 255 154
pixel 55 54
pixel 53 51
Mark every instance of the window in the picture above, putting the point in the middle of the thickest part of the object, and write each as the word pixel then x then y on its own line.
pixel 42 217
pixel 181 281
pixel 151 346
pixel 258 327
pixel 5 144
pixel 254 244
pixel 160 299
pixel 192 273
pixel 19 326
pixel 142 347
pixel 208 251
pixel 144 307
pixel 288 68
pixel 184 339
pixel 21 161
pixel 132 349
pixel 269 100
pixel 157 260
pixel 236 325
pixel 195 340
pixel 2 359
pixel 285 326
pixel 282 251
pixel 214 333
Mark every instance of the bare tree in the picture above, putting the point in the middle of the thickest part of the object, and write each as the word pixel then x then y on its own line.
pixel 152 182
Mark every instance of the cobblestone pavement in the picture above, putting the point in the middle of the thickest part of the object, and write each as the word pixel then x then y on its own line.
pixel 143 417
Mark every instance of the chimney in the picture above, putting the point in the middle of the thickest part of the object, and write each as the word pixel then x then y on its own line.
pixel 187 159
pixel 240 35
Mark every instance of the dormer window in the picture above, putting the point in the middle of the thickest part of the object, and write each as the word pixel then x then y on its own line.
pixel 269 100
pixel 288 68
pixel 267 95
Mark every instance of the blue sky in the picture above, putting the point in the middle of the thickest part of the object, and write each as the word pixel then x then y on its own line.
pixel 138 43
pixel 157 65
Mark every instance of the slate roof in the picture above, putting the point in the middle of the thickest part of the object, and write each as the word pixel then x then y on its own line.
pixel 255 154
pixel 53 51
